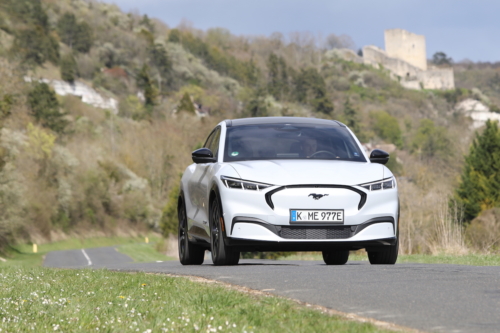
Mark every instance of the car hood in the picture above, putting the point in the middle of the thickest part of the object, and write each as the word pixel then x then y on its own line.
pixel 288 172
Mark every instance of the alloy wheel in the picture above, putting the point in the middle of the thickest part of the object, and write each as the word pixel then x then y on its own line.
pixel 182 232
pixel 215 228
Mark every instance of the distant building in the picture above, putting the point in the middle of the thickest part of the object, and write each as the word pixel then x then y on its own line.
pixel 405 58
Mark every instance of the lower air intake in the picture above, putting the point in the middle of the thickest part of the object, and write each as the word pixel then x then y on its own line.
pixel 315 232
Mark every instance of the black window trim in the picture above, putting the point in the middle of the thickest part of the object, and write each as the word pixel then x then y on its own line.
pixel 218 127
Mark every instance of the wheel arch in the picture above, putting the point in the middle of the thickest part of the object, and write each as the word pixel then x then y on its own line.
pixel 214 192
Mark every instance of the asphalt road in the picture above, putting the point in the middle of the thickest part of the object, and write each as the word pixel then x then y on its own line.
pixel 430 297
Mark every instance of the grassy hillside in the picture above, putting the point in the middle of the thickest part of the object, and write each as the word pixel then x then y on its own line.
pixel 67 167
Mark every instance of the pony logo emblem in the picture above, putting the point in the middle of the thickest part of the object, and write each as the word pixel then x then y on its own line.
pixel 317 196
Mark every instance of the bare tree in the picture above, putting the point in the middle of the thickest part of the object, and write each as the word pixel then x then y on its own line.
pixel 339 42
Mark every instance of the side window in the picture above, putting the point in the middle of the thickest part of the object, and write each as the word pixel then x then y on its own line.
pixel 214 144
pixel 213 141
pixel 209 140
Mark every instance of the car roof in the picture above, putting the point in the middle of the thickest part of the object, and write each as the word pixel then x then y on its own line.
pixel 282 120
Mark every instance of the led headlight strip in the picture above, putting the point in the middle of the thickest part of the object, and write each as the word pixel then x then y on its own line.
pixel 384 184
pixel 241 184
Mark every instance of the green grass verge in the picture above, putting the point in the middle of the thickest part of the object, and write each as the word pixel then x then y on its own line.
pixel 42 300
pixel 135 247
pixel 468 259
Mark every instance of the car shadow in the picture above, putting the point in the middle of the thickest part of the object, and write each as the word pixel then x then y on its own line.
pixel 256 264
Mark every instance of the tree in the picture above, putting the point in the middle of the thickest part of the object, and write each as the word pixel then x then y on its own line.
pixel 479 187
pixel 146 21
pixel 36 46
pixel 67 28
pixel 257 105
pixel 351 119
pixel 310 88
pixel 69 69
pixel 186 104
pixel 174 36
pixel 251 73
pixel 339 42
pixel 84 38
pixel 29 12
pixel 45 107
pixel 440 58
pixel 145 82
pixel 277 76
pixel 34 41
pixel 76 35
pixel 273 85
pixel 158 58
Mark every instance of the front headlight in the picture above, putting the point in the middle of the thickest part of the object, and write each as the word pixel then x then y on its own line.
pixel 241 184
pixel 384 184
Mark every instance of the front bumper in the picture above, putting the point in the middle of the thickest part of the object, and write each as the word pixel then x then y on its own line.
pixel 249 245
pixel 371 218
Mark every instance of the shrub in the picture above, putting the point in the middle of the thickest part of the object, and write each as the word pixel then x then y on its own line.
pixel 40 142
pixel 131 107
pixel 186 104
pixel 431 141
pixel 45 107
pixel 6 103
pixel 393 165
pixel 69 70
pixel 483 233
pixel 169 221
pixel 387 127
pixel 36 46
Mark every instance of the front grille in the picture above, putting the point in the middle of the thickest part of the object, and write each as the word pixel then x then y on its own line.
pixel 315 232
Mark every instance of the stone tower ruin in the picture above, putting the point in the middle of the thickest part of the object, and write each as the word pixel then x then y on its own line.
pixel 405 45
pixel 405 58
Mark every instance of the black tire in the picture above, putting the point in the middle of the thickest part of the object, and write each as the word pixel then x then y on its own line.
pixel 387 256
pixel 336 257
pixel 221 254
pixel 189 253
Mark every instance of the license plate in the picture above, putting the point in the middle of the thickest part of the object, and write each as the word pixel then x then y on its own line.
pixel 317 215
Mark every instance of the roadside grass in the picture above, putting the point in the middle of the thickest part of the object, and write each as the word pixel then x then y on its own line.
pixel 467 259
pixel 42 300
pixel 135 247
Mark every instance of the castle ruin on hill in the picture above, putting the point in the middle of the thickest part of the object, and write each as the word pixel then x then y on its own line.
pixel 405 58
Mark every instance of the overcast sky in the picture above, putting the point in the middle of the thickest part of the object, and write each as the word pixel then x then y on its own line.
pixel 463 29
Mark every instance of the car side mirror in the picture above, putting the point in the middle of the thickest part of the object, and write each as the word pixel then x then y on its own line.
pixel 203 155
pixel 379 156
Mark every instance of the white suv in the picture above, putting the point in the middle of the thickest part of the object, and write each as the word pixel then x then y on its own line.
pixel 287 184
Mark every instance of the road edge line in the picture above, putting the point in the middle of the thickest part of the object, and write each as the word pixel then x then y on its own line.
pixel 89 262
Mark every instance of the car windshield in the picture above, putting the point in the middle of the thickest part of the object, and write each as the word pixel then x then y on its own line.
pixel 285 141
